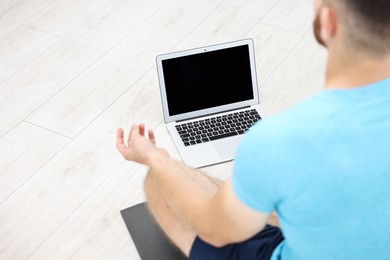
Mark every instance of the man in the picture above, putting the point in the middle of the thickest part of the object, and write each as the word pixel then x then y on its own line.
pixel 323 165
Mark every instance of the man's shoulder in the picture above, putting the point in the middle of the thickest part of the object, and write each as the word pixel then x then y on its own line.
pixel 273 150
pixel 309 116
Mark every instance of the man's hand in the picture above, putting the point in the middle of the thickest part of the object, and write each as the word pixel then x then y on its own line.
pixel 139 148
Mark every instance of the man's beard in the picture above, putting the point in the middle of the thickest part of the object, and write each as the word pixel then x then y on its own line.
pixel 317 30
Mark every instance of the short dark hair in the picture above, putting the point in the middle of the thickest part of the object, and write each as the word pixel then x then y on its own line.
pixel 368 23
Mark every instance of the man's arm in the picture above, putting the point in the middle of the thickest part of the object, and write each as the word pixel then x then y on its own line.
pixel 215 214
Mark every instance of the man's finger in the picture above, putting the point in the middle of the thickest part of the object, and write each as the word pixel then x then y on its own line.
pixel 119 136
pixel 142 129
pixel 120 141
pixel 133 131
pixel 152 137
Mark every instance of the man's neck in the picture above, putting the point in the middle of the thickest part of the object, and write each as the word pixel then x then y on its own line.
pixel 343 73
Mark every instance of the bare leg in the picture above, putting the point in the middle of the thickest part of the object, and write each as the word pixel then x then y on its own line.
pixel 273 220
pixel 179 233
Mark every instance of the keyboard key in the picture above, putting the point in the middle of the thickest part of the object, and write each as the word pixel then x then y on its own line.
pixel 192 142
pixel 216 137
pixel 187 143
pixel 204 140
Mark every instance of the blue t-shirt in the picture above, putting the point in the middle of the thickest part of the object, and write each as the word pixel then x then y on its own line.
pixel 324 166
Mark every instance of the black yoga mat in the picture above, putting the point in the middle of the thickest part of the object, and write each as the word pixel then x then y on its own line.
pixel 150 241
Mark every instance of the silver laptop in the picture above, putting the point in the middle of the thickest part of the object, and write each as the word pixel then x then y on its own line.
pixel 210 99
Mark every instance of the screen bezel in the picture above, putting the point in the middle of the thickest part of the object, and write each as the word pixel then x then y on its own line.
pixel 219 109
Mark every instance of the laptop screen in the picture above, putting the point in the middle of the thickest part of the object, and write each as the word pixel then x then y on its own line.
pixel 208 80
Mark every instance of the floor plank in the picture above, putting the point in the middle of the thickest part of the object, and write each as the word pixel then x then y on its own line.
pixel 65 16
pixel 129 251
pixel 32 86
pixel 23 151
pixel 14 13
pixel 77 105
pixel 298 77
pixel 20 46
pixel 96 229
pixel 272 46
pixel 291 15
pixel 231 21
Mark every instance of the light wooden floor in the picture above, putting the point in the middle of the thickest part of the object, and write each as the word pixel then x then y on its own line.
pixel 73 71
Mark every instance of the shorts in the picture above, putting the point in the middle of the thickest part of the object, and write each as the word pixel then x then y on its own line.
pixel 261 246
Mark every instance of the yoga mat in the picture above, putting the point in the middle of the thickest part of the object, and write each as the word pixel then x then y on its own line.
pixel 149 239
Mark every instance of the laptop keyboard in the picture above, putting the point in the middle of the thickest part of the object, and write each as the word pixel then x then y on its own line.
pixel 218 127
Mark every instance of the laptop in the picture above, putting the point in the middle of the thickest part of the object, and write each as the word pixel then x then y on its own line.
pixel 210 99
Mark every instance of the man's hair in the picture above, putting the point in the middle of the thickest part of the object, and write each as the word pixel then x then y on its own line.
pixel 367 23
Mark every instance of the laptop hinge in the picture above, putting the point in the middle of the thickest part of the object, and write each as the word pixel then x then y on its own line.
pixel 192 118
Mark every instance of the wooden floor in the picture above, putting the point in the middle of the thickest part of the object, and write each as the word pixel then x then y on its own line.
pixel 73 71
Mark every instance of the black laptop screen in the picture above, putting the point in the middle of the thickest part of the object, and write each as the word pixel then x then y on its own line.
pixel 208 80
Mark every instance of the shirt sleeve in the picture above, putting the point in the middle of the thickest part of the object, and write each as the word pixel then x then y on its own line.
pixel 258 169
pixel 277 156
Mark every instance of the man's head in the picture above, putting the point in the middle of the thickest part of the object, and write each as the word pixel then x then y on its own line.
pixel 358 27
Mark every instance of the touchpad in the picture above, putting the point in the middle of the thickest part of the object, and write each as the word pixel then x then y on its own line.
pixel 227 148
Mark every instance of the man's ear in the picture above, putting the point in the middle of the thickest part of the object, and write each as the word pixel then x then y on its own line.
pixel 329 24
